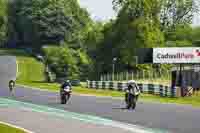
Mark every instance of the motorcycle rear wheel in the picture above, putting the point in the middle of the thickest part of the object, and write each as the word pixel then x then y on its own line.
pixel 133 105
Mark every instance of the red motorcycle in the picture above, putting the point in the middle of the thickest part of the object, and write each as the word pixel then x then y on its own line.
pixel 65 94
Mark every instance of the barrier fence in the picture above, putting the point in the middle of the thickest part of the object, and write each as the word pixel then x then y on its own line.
pixel 164 75
pixel 163 91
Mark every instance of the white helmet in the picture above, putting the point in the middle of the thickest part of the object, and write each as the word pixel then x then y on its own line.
pixel 130 82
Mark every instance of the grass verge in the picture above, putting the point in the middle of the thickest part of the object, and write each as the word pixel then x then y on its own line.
pixel 8 129
pixel 31 73
pixel 30 70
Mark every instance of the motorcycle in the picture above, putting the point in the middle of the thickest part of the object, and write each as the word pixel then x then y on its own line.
pixel 65 94
pixel 11 87
pixel 130 100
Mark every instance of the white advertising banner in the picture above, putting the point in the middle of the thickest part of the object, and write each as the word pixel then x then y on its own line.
pixel 176 55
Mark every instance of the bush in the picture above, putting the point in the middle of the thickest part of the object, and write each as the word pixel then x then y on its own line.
pixel 66 62
pixel 61 61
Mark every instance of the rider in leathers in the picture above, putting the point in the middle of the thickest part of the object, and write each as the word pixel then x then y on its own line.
pixel 132 89
pixel 66 83
pixel 63 86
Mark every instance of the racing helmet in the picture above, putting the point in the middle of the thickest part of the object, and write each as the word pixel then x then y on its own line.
pixel 66 81
pixel 131 83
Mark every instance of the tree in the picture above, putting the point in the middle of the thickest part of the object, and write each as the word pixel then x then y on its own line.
pixel 171 12
pixel 196 36
pixel 3 21
pixel 62 63
pixel 85 64
pixel 93 35
pixel 176 12
pixel 133 9
pixel 83 24
pixel 47 21
pixel 67 62
pixel 181 37
pixel 136 26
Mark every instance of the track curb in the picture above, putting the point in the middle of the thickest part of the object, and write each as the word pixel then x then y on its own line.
pixel 17 127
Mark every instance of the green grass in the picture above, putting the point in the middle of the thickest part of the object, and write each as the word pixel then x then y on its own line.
pixel 30 70
pixel 8 129
pixel 31 73
pixel 155 81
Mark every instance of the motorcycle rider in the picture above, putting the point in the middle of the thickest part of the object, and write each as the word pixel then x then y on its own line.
pixel 132 91
pixel 66 83
pixel 11 87
pixel 62 88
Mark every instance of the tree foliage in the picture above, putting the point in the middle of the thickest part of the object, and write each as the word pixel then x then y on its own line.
pixel 181 37
pixel 176 12
pixel 137 26
pixel 169 12
pixel 196 36
pixel 143 24
pixel 82 47
pixel 67 62
pixel 3 21
pixel 47 21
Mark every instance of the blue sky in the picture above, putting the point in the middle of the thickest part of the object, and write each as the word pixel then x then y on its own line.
pixel 102 10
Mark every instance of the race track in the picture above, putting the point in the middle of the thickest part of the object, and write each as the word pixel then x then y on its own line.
pixel 8 69
pixel 170 117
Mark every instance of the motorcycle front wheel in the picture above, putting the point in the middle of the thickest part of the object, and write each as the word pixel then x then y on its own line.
pixel 131 102
pixel 63 99
pixel 67 97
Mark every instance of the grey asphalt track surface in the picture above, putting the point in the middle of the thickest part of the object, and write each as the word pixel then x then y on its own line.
pixel 171 117
pixel 42 123
pixel 8 69
pixel 35 121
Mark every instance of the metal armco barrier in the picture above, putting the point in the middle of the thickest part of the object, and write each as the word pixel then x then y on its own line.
pixel 163 91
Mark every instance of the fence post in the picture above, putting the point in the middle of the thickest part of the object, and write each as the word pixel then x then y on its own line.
pixel 132 75
pixel 124 76
pixel 147 76
pixel 138 75
pixel 150 76
pixel 117 76
pixel 127 75
pixel 143 75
